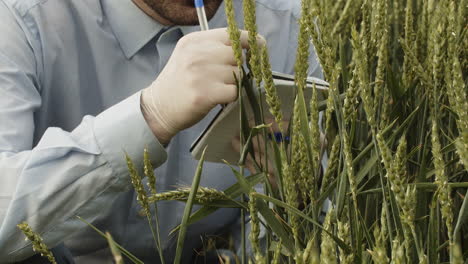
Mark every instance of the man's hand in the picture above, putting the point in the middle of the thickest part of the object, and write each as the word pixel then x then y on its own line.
pixel 258 143
pixel 198 76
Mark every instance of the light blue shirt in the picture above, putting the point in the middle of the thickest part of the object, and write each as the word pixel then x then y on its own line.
pixel 71 72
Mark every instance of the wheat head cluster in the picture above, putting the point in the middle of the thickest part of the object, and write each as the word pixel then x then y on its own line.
pixel 393 131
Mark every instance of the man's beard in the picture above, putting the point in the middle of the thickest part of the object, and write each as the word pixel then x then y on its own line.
pixel 182 12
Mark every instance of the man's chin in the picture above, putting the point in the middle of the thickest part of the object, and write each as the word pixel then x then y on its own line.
pixel 181 12
pixel 183 3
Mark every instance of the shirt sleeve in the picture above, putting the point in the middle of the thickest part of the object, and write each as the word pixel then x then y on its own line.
pixel 67 173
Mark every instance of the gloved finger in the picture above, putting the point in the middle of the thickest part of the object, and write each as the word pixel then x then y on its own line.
pixel 244 37
pixel 227 73
pixel 223 93
pixel 225 55
pixel 223 35
pixel 222 73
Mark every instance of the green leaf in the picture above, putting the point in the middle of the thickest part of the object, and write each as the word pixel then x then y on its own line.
pixel 463 216
pixel 245 129
pixel 342 192
pixel 406 123
pixel 188 210
pixel 295 211
pixel 303 116
pixel 278 166
pixel 432 236
pixel 365 230
pixel 364 171
pixel 248 147
pixel 272 221
pixel 395 213
pixel 123 250
pixel 245 187
pixel 326 193
pixel 247 83
pixel 236 190
pixel 266 212
pixel 114 249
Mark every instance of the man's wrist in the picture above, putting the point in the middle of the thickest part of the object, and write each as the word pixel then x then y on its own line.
pixel 159 132
pixel 122 128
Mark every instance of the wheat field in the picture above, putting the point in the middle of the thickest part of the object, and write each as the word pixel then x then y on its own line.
pixel 394 130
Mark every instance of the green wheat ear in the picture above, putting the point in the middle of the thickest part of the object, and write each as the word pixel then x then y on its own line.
pixel 351 99
pixel 38 245
pixel 277 252
pixel 302 58
pixel 398 253
pixel 443 189
pixel 137 183
pixel 254 50
pixel 311 252
pixel 255 229
pixel 234 32
pixel 204 195
pixel 272 98
pixel 327 246
pixel 332 170
pixel 149 171
pixel 344 233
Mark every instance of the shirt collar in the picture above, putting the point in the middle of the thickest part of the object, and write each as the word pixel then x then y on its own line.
pixel 131 26
pixel 134 29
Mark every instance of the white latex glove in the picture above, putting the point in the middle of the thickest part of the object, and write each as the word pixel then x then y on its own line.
pixel 198 76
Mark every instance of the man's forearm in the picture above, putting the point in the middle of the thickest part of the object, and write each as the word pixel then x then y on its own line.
pixel 72 173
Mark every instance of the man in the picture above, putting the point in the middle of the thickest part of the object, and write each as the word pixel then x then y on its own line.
pixel 83 81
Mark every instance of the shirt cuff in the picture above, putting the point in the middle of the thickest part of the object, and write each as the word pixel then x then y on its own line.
pixel 123 129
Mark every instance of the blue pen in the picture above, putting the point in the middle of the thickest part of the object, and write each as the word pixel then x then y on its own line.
pixel 201 15
pixel 202 19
